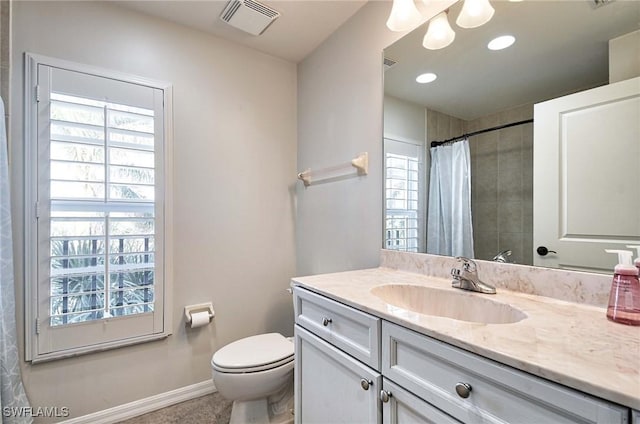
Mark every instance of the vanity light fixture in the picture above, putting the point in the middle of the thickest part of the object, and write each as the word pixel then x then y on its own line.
pixel 426 78
pixel 404 16
pixel 501 42
pixel 475 13
pixel 439 34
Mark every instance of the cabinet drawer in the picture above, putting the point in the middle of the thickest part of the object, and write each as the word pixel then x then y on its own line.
pixel 499 394
pixel 356 333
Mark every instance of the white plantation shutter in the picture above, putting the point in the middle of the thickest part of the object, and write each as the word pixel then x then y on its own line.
pixel 100 211
pixel 404 198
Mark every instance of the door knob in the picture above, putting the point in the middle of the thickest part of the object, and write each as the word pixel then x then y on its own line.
pixel 542 251
pixel 385 396
pixel 326 321
pixel 364 383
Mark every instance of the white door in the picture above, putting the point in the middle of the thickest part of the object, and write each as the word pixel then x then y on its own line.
pixel 332 387
pixel 402 407
pixel 586 166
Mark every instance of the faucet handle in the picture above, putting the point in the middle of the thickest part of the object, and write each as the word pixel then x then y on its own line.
pixel 467 264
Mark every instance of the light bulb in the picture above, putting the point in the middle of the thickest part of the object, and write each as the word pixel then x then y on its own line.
pixel 404 16
pixel 501 42
pixel 475 13
pixel 439 34
pixel 426 78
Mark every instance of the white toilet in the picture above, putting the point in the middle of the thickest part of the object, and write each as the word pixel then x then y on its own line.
pixel 256 373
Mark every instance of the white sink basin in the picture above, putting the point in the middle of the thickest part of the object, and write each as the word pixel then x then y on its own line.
pixel 459 305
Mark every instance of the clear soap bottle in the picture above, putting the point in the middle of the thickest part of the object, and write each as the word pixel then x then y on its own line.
pixel 624 299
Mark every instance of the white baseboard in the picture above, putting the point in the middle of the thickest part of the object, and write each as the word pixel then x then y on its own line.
pixel 143 406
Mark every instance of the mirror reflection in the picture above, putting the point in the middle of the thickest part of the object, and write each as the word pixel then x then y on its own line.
pixel 473 195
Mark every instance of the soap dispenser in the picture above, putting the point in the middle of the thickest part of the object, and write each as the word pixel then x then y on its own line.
pixel 637 261
pixel 624 299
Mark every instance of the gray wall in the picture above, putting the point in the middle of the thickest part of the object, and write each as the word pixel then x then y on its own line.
pixel 340 98
pixel 404 121
pixel 234 169
pixel 5 51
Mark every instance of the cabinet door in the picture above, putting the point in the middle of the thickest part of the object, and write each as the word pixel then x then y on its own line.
pixel 401 407
pixel 329 385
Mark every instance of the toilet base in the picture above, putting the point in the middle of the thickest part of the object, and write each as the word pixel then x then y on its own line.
pixel 275 409
pixel 257 412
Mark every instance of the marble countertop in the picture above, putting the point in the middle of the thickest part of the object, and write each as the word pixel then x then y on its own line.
pixel 569 343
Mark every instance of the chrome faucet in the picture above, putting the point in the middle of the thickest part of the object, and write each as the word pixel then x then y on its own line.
pixel 502 256
pixel 467 277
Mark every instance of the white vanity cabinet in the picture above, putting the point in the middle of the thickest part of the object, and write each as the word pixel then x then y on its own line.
pixel 337 362
pixel 353 367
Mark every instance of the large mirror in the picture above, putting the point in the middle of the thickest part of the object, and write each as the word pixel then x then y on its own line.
pixel 561 48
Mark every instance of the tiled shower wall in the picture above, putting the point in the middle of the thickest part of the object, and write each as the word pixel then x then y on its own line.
pixel 502 185
pixel 501 180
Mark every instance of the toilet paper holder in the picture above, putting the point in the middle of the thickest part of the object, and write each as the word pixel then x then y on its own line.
pixel 200 307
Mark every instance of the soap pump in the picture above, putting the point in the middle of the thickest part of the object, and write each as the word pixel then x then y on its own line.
pixel 637 261
pixel 624 299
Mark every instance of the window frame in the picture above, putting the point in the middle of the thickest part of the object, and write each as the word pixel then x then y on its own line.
pixel 163 227
pixel 422 192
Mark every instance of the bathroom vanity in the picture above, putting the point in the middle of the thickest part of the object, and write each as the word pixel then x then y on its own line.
pixel 373 346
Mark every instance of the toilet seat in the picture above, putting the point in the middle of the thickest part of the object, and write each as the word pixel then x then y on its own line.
pixel 253 354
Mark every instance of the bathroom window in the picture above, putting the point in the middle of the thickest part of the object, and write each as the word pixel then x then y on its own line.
pixel 96 239
pixel 403 198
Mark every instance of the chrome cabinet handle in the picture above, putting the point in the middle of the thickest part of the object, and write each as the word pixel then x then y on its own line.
pixel 364 383
pixel 385 396
pixel 463 390
pixel 326 321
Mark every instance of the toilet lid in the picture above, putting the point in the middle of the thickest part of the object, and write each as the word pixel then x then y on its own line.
pixel 253 352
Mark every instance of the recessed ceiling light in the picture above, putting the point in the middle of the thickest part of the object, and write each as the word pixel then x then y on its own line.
pixel 501 42
pixel 425 78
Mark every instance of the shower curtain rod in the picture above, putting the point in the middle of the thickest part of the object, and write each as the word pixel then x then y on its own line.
pixel 463 136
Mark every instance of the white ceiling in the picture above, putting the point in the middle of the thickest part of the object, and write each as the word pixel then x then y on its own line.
pixel 302 26
pixel 561 47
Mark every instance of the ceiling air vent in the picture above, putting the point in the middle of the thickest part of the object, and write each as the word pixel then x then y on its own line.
pixel 249 16
pixel 388 63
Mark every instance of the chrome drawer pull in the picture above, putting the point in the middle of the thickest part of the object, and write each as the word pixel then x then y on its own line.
pixel 385 396
pixel 326 321
pixel 364 383
pixel 463 390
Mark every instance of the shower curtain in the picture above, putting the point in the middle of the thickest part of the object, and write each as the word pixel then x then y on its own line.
pixel 13 400
pixel 449 228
